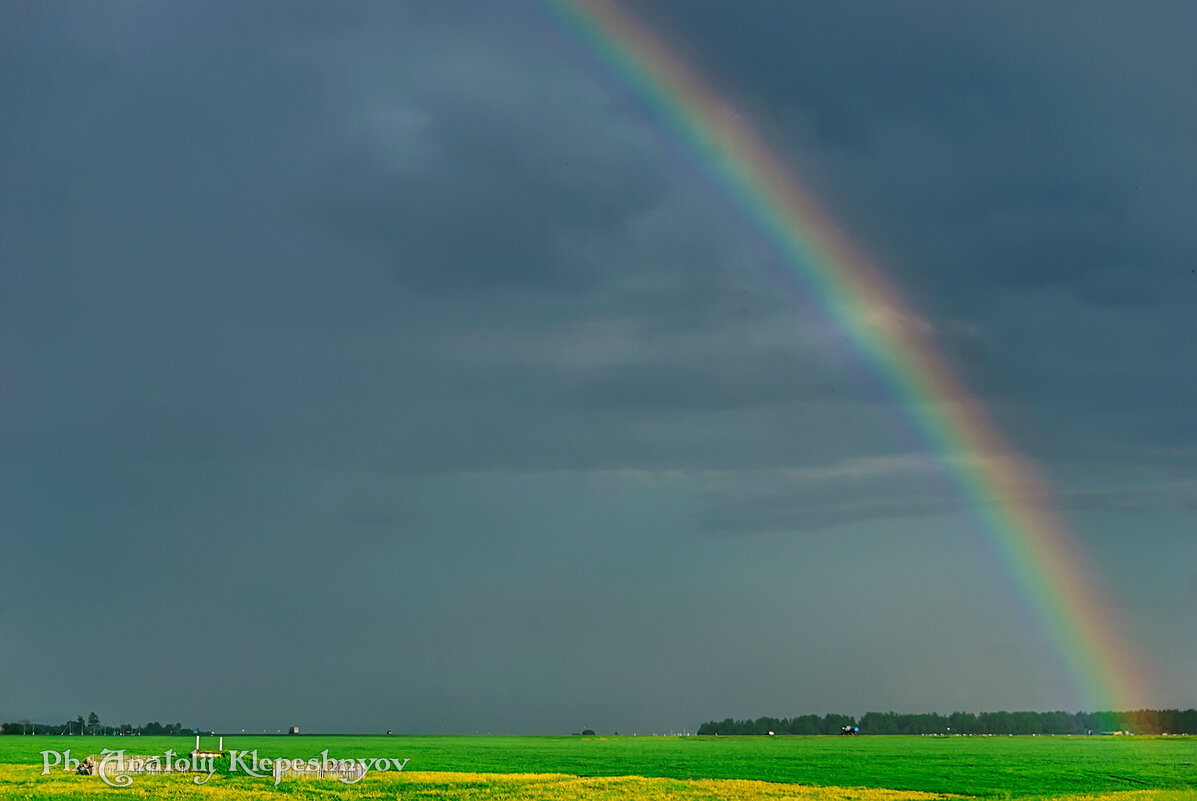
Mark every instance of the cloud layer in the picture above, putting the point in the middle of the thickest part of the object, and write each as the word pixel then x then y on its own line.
pixel 410 323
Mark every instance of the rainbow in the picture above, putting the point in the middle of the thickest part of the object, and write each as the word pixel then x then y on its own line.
pixel 1008 501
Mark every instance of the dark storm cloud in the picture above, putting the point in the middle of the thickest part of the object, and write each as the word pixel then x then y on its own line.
pixel 410 319
pixel 500 194
pixel 1016 150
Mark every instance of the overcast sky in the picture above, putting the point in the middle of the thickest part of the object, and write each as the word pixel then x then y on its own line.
pixel 378 366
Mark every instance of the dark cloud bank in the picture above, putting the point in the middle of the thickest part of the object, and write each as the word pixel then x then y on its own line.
pixel 396 339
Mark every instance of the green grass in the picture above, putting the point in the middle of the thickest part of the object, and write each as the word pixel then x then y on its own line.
pixel 991 767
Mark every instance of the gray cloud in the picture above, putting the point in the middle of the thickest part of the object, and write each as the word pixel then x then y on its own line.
pixel 415 320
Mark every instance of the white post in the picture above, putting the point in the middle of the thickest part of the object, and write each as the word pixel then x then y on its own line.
pixel 220 747
pixel 197 742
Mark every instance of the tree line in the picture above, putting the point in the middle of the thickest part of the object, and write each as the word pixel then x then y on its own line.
pixel 91 726
pixel 803 724
pixel 1142 721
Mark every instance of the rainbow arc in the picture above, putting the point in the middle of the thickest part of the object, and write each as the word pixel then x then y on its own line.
pixel 1008 501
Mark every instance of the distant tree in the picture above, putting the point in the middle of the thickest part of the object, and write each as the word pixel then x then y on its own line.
pixel 93 722
pixel 834 724
pixel 879 723
pixel 588 731
pixel 805 724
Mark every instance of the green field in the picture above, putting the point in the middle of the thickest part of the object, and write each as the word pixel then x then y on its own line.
pixel 675 767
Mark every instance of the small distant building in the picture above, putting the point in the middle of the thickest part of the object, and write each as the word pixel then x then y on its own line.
pixel 293 730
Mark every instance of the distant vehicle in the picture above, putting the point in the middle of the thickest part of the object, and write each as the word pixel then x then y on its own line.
pixel 849 730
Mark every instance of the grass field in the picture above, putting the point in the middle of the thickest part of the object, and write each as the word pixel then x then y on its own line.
pixel 822 768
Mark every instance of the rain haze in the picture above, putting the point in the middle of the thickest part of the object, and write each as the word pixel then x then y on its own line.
pixel 377 366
